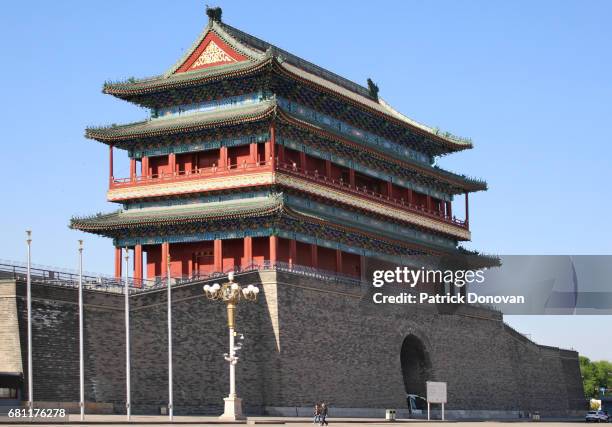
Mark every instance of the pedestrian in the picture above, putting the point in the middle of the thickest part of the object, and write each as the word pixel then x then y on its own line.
pixel 317 413
pixel 323 416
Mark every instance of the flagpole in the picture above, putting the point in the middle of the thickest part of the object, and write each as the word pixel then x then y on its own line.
pixel 81 359
pixel 29 304
pixel 127 337
pixel 170 396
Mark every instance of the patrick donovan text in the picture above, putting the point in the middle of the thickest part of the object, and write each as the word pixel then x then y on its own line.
pixel 425 298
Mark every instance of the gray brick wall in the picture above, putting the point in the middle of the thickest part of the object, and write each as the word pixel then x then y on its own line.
pixel 305 340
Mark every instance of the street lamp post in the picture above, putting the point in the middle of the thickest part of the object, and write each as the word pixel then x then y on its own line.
pixel 128 393
pixel 231 293
pixel 81 353
pixel 29 304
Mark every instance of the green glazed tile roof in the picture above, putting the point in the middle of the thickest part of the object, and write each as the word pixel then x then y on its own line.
pixel 256 206
pixel 260 53
pixel 190 122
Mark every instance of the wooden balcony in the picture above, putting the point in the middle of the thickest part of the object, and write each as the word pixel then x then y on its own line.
pixel 233 170
pixel 363 192
pixel 186 175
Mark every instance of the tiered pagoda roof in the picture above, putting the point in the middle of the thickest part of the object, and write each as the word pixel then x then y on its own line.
pixel 272 211
pixel 257 56
pixel 375 197
pixel 180 124
pixel 127 135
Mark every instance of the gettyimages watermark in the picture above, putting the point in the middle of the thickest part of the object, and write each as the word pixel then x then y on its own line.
pixel 512 284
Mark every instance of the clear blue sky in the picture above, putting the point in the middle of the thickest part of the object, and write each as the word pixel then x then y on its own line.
pixel 528 81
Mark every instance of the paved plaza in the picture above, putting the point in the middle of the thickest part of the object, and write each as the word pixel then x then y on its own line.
pixel 119 420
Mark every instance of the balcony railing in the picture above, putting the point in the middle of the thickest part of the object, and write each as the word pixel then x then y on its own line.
pixel 70 278
pixel 340 184
pixel 292 169
pixel 184 175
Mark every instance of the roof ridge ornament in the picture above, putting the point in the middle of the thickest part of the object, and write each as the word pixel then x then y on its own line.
pixel 373 88
pixel 214 13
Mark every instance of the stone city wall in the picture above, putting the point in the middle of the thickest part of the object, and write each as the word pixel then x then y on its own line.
pixel 305 340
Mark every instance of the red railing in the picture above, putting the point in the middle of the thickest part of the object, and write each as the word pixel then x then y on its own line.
pixel 292 169
pixel 314 176
pixel 212 171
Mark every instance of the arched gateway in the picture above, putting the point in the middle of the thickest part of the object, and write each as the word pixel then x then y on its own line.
pixel 416 365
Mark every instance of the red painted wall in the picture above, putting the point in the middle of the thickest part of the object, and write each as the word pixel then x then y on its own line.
pixel 239 155
pixel 419 199
pixel 327 259
pixel 292 156
pixel 315 164
pixel 198 257
pixel 261 152
pixel 351 264
pixel 203 257
pixel 233 253
pixel 159 165
pixel 205 159
pixel 339 172
pixel 184 162
pixel 153 260
pixel 283 250
pixel 261 249
pixel 371 183
pixel 304 256
pixel 435 204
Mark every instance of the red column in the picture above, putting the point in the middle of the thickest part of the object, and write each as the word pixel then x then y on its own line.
pixel 248 250
pixel 410 196
pixel 165 251
pixel 267 152
pixel 118 263
pixel 172 163
pixel 110 171
pixel 352 178
pixel 449 212
pixel 145 167
pixel 303 160
pixel 223 158
pixel 138 264
pixel 253 153
pixel 292 252
pixel 428 203
pixel 218 255
pixel 338 261
pixel 132 169
pixel 281 154
pixel 314 256
pixel 273 249
pixel 273 144
pixel 389 189
pixel 328 169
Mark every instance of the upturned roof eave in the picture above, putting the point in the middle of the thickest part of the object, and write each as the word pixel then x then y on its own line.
pixel 106 224
pixel 288 64
pixel 254 60
pixel 129 89
pixel 189 123
pixel 121 219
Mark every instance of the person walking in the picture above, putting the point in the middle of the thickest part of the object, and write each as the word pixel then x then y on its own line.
pixel 317 413
pixel 324 411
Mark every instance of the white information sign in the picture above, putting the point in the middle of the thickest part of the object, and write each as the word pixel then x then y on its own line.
pixel 436 392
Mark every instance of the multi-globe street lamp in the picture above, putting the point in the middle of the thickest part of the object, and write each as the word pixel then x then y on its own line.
pixel 231 293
